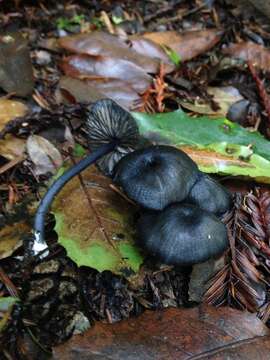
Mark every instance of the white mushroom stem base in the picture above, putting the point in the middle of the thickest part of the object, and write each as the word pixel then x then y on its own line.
pixel 200 277
pixel 39 247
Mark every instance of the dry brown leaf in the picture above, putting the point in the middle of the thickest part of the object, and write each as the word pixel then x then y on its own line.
pixel 224 97
pixel 11 237
pixel 174 334
pixel 10 109
pixel 80 90
pixel 99 43
pixel 258 55
pixel 84 66
pixel 45 156
pixel 187 45
pixel 93 90
pixel 15 63
pixel 149 48
pixel 12 147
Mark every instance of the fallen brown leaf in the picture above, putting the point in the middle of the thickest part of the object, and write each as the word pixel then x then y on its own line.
pixel 9 110
pixel 174 334
pixel 258 55
pixel 45 156
pixel 189 44
pixel 92 90
pixel 149 48
pixel 99 43
pixel 224 97
pixel 11 237
pixel 15 57
pixel 84 66
pixel 12 147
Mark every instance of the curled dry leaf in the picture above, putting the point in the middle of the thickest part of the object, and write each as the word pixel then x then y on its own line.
pixel 9 110
pixel 189 44
pixel 94 224
pixel 258 55
pixel 45 156
pixel 15 56
pixel 174 334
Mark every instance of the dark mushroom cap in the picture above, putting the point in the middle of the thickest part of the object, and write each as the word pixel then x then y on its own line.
pixel 182 234
pixel 156 176
pixel 209 195
pixel 106 122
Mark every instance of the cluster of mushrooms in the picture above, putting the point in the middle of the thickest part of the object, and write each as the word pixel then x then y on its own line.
pixel 181 206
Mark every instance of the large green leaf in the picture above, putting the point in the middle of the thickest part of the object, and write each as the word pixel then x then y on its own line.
pixel 94 224
pixel 217 145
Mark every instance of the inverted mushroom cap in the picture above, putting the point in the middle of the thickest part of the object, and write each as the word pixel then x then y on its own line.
pixel 182 234
pixel 156 176
pixel 106 122
pixel 209 195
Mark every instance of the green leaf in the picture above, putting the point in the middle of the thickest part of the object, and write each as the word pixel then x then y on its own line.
pixel 232 149
pixel 6 305
pixel 117 20
pixel 69 24
pixel 173 55
pixel 94 225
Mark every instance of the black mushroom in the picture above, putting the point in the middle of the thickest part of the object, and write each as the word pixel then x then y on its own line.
pixel 112 134
pixel 209 195
pixel 106 122
pixel 156 176
pixel 182 235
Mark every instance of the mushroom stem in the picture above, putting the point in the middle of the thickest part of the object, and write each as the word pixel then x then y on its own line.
pixel 39 224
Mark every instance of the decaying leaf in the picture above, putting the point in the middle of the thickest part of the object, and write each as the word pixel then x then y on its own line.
pixel 187 45
pixel 174 334
pixel 102 44
pixel 94 225
pixel 45 156
pixel 78 90
pixel 224 97
pixel 12 147
pixel 149 48
pixel 15 57
pixel 11 237
pixel 6 306
pixel 9 110
pixel 257 54
pixel 88 91
pixel 236 151
pixel 83 66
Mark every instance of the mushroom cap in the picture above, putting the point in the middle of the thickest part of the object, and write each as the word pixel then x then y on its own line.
pixel 156 176
pixel 182 234
pixel 209 195
pixel 106 122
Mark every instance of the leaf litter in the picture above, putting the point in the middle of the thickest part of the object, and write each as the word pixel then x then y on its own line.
pixel 58 296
